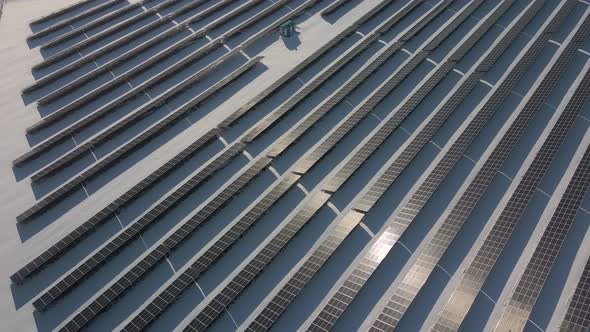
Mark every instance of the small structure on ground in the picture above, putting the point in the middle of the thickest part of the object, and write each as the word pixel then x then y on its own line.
pixel 287 29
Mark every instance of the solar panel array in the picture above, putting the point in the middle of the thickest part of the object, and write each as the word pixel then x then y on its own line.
pixel 316 202
pixel 577 315
pixel 476 274
pixel 419 272
pixel 338 234
pixel 532 280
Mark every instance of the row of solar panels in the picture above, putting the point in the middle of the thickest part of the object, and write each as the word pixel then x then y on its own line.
pixel 189 151
pixel 213 309
pixel 123 123
pixel 51 77
pixel 351 219
pixel 67 12
pixel 69 15
pixel 89 26
pixel 401 300
pixel 283 109
pixel 136 70
pixel 224 195
pixel 219 302
pixel 183 25
pixel 52 115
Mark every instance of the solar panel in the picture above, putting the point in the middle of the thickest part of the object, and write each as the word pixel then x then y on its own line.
pixel 93 24
pixel 72 50
pixel 62 287
pixel 113 106
pixel 132 144
pixel 347 87
pixel 334 6
pixel 69 157
pixel 64 11
pixel 419 272
pixel 63 90
pixel 121 25
pixel 118 43
pixel 212 308
pixel 524 296
pixel 136 273
pixel 342 298
pixel 474 278
pixel 72 184
pixel 122 78
pixel 577 316
pixel 296 12
pixel 103 215
pixel 339 95
pixel 305 143
pixel 155 255
pixel 136 228
pixel 68 22
pixel 145 317
pixel 199 265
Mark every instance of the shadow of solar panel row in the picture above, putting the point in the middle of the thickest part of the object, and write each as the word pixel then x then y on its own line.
pixel 99 218
pixel 102 216
pixel 213 307
pixel 577 316
pixel 183 234
pixel 135 228
pixel 68 22
pixel 127 38
pixel 531 282
pixel 289 291
pixel 477 272
pixel 69 10
pixel 340 300
pixel 164 247
pixel 132 144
